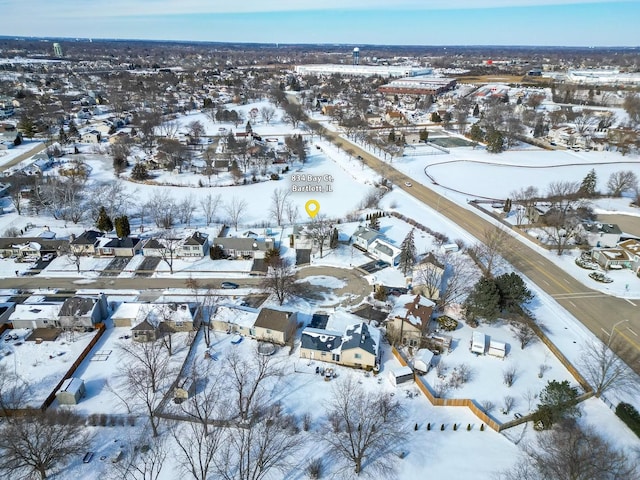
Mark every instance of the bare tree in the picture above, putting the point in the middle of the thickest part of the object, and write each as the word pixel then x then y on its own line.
pixel 570 452
pixel 185 210
pixel 235 210
pixel 142 464
pixel 292 212
pixel 247 378
pixel 197 448
pixel 196 130
pixel 429 275
pixel 604 369
pixel 279 199
pixel 509 375
pixel 459 276
pixel 41 442
pixel 280 279
pixel 13 390
pixel 169 129
pixel 585 121
pixel 523 332
pixel 319 230
pixel 622 181
pixel 144 373
pixel 170 243
pixel 259 449
pixel 267 113
pixel 17 182
pixel 162 208
pixel 294 114
pixel 508 403
pixel 209 205
pixel 364 427
pixel 562 220
pixel 495 241
pixel 526 199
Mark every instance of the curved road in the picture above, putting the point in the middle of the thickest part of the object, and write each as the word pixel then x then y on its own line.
pixel 597 311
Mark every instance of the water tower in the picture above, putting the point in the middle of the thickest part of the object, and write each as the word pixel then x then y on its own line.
pixel 356 56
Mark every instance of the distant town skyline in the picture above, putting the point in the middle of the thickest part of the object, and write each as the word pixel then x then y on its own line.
pixel 594 23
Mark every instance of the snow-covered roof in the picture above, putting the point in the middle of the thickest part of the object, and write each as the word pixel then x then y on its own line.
pixel 166 312
pixel 242 317
pixel 36 311
pixel 72 385
pixel 362 336
pixel 321 340
pixel 409 307
pixel 127 310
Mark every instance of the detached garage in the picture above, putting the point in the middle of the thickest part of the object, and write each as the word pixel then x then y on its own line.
pixel 71 392
pixel 401 375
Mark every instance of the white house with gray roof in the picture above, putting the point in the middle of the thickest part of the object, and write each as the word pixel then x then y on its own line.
pixel 600 235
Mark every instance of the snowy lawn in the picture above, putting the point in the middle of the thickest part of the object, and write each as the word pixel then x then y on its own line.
pixel 43 365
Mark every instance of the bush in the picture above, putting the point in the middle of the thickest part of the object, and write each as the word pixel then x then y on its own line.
pixel 442 427
pixel 482 427
pixel 447 324
pixel 314 468
pixel 455 427
pixel 306 422
pixel 428 426
pixel 275 176
pixel 630 416
pixel 468 427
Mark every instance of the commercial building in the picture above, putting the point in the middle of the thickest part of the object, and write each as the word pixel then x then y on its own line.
pixel 386 71
pixel 418 85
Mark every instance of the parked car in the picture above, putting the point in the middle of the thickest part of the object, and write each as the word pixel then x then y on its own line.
pixel 408 184
pixel 48 257
pixel 229 285
pixel 87 457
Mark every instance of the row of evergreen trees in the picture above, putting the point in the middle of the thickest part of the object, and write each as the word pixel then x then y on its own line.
pixel 121 223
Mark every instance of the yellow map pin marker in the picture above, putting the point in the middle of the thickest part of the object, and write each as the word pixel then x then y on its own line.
pixel 312 207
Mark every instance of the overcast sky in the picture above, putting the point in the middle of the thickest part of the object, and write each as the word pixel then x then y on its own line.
pixel 400 22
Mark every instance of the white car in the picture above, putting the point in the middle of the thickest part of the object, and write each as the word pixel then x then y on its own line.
pixel 408 184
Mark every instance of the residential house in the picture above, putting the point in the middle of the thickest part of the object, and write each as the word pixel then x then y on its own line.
pixel 632 248
pixel 86 243
pixel 358 345
pixel 244 247
pixel 395 118
pixel 196 245
pixel 6 309
pixel 409 319
pixel 363 237
pixel 153 248
pixel 600 235
pixel 83 311
pixel 612 257
pixel 119 247
pixel 385 252
pixel 126 314
pixel 92 136
pixel 26 246
pixel 36 315
pixel 159 319
pixel 373 120
pixel 427 277
pixel 276 326
pixel 235 320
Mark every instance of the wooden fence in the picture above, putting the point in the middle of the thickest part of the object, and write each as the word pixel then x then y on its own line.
pixel 52 396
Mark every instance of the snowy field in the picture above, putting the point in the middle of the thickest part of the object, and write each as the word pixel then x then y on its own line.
pixel 41 366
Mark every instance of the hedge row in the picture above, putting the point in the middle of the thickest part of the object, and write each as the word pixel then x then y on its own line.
pixel 629 415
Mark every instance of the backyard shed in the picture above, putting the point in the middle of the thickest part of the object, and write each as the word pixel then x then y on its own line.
pixel 478 343
pixel 497 349
pixel 71 392
pixel 401 375
pixel 422 360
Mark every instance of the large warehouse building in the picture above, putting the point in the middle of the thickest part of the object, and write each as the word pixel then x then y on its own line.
pixel 420 85
pixel 385 71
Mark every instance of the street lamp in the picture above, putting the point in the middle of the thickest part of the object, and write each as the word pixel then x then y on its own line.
pixel 613 329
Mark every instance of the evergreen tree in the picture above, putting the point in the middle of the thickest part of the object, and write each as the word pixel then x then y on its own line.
pixel 476 111
pixel 333 242
pixel 272 256
pixel 495 142
pixel 435 117
pixel 27 127
pixel 557 401
pixel 483 301
pixel 513 292
pixel 62 136
pixel 104 223
pixel 476 133
pixel 123 229
pixel 374 223
pixel 507 206
pixel 588 186
pixel 248 128
pixel 424 135
pixel 139 172
pixel 216 252
pixel 407 253
pixel 391 138
pixel 73 130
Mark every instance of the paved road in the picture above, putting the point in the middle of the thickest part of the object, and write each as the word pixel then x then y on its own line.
pixel 596 311
pixel 23 156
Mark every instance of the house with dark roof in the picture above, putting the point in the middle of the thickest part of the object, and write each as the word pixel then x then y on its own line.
pixel 153 248
pixel 28 246
pixel 196 245
pixel 244 247
pixel 155 320
pixel 276 326
pixel 83 311
pixel 86 243
pixel 409 320
pixel 600 235
pixel 119 247
pixel 358 346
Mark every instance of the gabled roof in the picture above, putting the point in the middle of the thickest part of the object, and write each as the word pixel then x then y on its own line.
pixel 361 336
pixel 127 242
pixel 271 319
pixel 367 234
pixel 243 244
pixel 320 340
pixel 45 244
pixel 153 243
pixel 77 306
pixel 88 237
pixel 197 239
